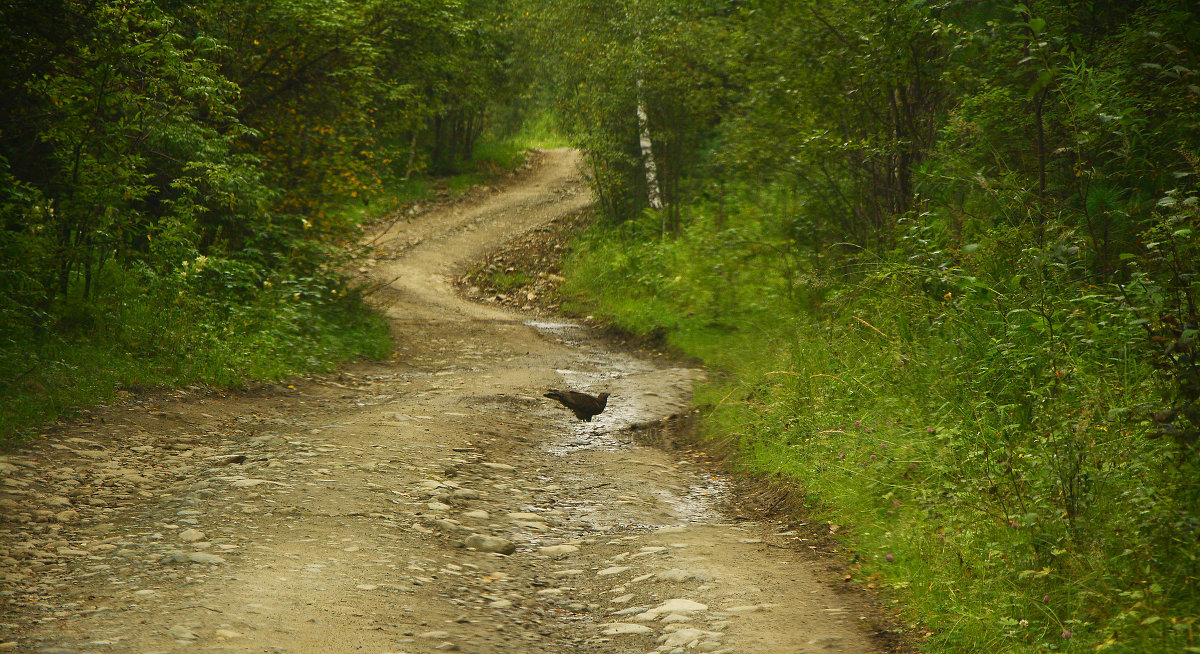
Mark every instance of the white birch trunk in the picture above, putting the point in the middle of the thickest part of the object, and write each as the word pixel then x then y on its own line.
pixel 652 192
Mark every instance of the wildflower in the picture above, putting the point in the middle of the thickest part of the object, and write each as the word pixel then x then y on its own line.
pixel 1067 633
pixel 895 502
pixel 858 423
pixel 930 430
pixel 889 557
pixel 1046 598
pixel 873 457
pixel 842 455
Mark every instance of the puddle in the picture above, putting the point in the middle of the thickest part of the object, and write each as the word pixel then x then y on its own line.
pixel 563 332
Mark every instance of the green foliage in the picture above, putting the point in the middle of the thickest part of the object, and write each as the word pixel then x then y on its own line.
pixel 608 58
pixel 942 257
pixel 178 180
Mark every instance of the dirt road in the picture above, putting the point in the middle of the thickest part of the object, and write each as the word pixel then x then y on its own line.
pixel 437 503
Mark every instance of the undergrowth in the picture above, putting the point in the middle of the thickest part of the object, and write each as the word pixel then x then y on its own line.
pixel 153 332
pixel 967 422
pixel 213 321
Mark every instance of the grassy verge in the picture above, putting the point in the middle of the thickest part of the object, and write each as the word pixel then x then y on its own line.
pixel 149 340
pixel 979 461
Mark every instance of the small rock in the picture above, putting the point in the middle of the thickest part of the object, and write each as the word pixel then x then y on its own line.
pixel 466 494
pixel 70 515
pixel 180 632
pixel 676 618
pixel 680 606
pixel 477 514
pixel 501 604
pixel 685 637
pixel 192 557
pixel 228 633
pixel 366 586
pixel 497 466
pixel 191 535
pixel 557 550
pixel 449 526
pixel 435 634
pixel 490 544
pixel 438 506
pixel 617 569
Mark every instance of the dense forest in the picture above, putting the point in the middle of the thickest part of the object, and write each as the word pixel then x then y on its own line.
pixel 179 181
pixel 943 258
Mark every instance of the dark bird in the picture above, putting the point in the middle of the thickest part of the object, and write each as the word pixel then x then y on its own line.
pixel 584 406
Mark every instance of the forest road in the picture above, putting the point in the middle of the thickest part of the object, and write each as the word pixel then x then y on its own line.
pixel 355 512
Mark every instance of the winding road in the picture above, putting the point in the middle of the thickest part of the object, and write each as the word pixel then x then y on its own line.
pixel 433 503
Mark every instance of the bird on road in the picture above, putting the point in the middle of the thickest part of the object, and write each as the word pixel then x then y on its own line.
pixel 584 406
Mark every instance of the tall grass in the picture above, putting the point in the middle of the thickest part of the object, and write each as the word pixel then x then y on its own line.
pixel 968 420
pixel 159 333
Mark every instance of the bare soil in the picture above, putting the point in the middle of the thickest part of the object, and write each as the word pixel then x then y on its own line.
pixel 355 512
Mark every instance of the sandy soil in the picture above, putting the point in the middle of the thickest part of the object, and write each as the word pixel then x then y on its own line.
pixel 434 503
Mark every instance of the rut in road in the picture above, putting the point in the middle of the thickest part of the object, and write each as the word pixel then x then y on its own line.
pixel 333 514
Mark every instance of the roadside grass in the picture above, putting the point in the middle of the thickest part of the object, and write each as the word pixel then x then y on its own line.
pixel 988 483
pixel 157 341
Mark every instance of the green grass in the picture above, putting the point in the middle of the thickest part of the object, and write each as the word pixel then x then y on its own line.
pixel 155 342
pixel 506 281
pixel 938 433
